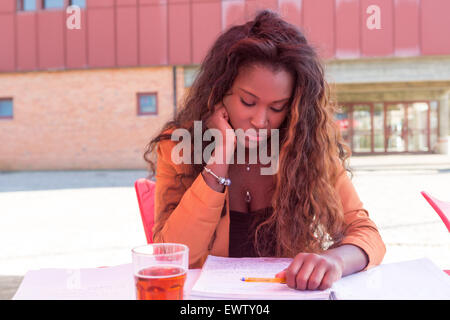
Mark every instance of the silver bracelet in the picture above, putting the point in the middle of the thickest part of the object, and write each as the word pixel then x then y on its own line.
pixel 220 180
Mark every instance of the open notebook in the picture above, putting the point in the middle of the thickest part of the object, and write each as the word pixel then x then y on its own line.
pixel 416 279
pixel 220 278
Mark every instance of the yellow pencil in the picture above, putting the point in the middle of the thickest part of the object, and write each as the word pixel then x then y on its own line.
pixel 273 280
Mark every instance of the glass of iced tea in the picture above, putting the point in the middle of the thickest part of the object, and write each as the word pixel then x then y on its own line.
pixel 160 271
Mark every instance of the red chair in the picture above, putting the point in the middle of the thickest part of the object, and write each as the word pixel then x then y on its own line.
pixel 145 192
pixel 441 207
pixel 443 210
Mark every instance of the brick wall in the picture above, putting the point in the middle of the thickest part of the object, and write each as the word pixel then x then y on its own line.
pixel 83 119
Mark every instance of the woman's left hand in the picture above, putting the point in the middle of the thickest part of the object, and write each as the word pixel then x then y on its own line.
pixel 310 271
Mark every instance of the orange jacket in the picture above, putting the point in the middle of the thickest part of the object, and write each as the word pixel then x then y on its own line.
pixel 197 221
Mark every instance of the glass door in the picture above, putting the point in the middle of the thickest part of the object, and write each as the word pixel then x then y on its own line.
pixel 362 128
pixel 418 126
pixel 395 134
pixel 434 124
pixel 378 127
pixel 343 120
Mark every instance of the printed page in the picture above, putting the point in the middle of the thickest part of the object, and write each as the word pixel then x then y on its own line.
pixel 221 278
pixel 409 280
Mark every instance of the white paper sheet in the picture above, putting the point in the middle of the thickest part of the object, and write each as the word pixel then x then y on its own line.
pixel 111 283
pixel 410 280
pixel 221 278
pixel 78 284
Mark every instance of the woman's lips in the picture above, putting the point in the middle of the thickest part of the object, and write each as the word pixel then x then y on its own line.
pixel 258 137
pixel 255 138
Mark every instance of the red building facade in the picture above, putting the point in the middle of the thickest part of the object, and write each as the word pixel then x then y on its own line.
pixel 389 61
pixel 130 33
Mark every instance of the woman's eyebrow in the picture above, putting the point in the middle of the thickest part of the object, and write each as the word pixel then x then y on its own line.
pixel 258 97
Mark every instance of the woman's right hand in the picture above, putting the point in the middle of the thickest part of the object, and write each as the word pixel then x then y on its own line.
pixel 220 120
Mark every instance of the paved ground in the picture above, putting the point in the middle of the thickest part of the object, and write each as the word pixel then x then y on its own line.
pixel 91 218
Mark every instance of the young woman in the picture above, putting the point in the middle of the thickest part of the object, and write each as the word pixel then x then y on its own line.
pixel 264 75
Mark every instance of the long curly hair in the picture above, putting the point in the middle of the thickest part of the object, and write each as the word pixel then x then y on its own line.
pixel 307 213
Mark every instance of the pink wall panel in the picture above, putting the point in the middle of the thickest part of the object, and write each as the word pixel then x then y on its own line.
pixel 206 25
pixel 318 24
pixel 76 45
pixel 435 33
pixel 179 18
pixel 233 12
pixel 347 29
pixel 291 11
pixel 27 55
pixel 153 35
pixel 406 28
pixel 101 37
pixel 99 3
pixel 126 2
pixel 163 32
pixel 7 43
pixel 7 6
pixel 378 42
pixel 51 26
pixel 157 2
pixel 253 6
pixel 127 42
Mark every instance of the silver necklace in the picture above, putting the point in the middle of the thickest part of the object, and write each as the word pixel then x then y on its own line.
pixel 248 197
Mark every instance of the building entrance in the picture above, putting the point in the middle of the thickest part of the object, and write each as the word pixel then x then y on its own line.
pixel 389 127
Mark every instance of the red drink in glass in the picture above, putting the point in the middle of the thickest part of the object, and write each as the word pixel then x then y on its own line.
pixel 160 283
pixel 160 270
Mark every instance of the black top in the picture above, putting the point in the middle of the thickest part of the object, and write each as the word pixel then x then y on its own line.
pixel 242 231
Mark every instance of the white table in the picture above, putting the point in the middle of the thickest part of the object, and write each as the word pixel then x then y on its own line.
pixel 416 279
pixel 90 283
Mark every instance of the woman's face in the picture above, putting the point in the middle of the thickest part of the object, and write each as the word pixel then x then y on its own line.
pixel 259 99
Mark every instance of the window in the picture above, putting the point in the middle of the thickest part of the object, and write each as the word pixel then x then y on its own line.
pixel 190 73
pixel 147 104
pixel 26 5
pixel 6 108
pixel 79 3
pixel 53 4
